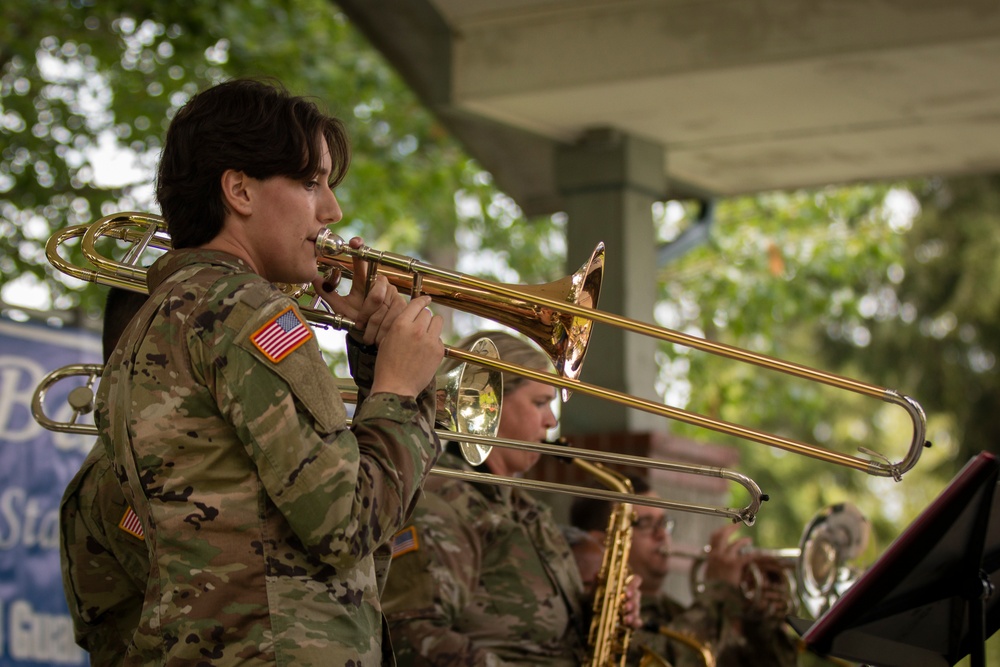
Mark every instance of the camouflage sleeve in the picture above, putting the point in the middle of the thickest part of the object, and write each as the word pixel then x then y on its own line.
pixel 721 617
pixel 361 361
pixel 435 569
pixel 716 602
pixel 343 492
pixel 104 566
pixel 706 620
pixel 758 640
pixel 764 643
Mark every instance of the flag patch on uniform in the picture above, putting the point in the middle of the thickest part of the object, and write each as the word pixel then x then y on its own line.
pixel 130 524
pixel 282 335
pixel 405 541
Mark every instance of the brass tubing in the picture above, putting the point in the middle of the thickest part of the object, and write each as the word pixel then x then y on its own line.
pixel 746 514
pixel 560 326
pixel 871 467
pixel 348 393
pixel 331 247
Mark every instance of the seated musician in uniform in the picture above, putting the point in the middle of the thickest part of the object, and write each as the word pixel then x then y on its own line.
pixel 482 574
pixel 737 632
pixel 103 554
pixel 266 517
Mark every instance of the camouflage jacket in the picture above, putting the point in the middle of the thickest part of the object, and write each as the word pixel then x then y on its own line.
pixel 482 576
pixel 104 560
pixel 265 518
pixel 720 619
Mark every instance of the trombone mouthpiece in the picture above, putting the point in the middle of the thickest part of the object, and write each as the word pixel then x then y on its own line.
pixel 329 244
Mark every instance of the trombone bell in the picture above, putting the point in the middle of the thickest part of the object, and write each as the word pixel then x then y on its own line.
pixel 81 399
pixel 557 316
pixel 563 336
pixel 525 308
pixel 469 399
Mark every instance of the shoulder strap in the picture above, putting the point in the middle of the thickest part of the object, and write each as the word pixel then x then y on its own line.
pixel 120 393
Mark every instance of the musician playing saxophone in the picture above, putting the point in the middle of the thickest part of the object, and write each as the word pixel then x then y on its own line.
pixel 737 633
pixel 482 574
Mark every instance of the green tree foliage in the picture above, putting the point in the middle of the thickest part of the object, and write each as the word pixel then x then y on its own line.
pixel 78 74
pixel 945 339
pixel 828 278
pixel 812 277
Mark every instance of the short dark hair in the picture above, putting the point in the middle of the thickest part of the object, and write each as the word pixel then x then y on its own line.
pixel 594 513
pixel 250 125
pixel 120 306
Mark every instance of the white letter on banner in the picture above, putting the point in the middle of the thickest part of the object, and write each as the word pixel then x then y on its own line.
pixel 12 369
pixel 42 637
pixel 22 522
pixel 9 517
pixel 15 407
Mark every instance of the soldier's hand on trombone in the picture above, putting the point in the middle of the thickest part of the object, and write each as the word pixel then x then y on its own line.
pixel 410 350
pixel 379 302
pixel 372 310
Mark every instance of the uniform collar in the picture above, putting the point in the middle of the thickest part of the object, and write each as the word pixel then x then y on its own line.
pixel 177 260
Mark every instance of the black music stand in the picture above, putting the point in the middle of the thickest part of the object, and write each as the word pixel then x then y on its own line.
pixel 929 599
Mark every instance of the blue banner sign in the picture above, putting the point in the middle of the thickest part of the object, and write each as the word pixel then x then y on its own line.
pixel 35 467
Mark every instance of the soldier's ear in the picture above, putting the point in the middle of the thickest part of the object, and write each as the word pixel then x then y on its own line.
pixel 236 192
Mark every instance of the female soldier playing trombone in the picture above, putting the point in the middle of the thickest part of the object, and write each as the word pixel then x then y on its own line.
pixel 482 574
pixel 264 517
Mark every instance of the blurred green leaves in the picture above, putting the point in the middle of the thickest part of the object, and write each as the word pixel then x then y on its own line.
pixel 78 75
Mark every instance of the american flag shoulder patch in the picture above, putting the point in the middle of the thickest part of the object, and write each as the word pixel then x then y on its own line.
pixel 282 335
pixel 405 541
pixel 130 524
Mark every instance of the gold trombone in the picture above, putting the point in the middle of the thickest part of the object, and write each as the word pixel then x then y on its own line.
pixel 558 316
pixel 568 326
pixel 468 408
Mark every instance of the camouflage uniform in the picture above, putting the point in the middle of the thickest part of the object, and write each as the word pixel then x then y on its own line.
pixel 718 618
pixel 482 576
pixel 104 560
pixel 266 519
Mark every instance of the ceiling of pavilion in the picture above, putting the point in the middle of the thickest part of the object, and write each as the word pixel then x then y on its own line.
pixel 744 96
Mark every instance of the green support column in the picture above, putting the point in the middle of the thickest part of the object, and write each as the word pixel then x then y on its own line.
pixel 609 182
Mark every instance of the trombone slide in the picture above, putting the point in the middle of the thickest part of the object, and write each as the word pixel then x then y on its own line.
pixel 558 316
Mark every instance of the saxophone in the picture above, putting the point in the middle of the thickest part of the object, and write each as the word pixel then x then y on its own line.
pixel 609 636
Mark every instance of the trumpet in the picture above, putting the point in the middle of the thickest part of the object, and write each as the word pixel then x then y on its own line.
pixel 468 409
pixel 558 316
pixel 827 561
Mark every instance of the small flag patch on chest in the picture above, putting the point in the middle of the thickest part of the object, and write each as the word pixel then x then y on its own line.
pixel 130 524
pixel 282 335
pixel 405 541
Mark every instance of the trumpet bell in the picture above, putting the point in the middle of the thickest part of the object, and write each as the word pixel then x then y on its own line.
pixel 833 547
